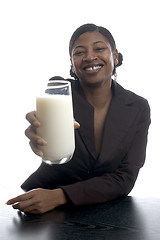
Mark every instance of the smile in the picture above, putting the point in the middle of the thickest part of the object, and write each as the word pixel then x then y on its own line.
pixel 92 68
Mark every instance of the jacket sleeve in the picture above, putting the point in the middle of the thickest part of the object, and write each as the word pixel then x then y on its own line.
pixel 120 182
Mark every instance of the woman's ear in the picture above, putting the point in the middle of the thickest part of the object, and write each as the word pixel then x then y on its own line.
pixel 72 67
pixel 116 57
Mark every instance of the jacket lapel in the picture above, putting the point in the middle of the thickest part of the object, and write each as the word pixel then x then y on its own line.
pixel 84 114
pixel 119 118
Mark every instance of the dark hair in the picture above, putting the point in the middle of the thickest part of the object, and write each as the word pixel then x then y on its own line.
pixel 90 28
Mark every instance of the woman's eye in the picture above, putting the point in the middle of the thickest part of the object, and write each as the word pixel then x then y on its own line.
pixel 78 53
pixel 100 48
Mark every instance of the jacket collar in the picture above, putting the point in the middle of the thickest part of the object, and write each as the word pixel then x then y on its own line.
pixel 118 120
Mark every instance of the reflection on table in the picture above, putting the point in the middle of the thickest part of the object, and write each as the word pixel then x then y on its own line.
pixel 126 218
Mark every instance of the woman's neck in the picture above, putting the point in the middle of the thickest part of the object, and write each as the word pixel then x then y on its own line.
pixel 100 96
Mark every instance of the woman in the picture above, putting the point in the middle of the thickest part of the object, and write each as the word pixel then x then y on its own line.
pixel 110 142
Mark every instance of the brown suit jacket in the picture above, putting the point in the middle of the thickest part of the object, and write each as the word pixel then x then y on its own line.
pixel 87 179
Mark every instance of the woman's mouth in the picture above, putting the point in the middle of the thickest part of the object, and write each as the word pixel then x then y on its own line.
pixel 92 68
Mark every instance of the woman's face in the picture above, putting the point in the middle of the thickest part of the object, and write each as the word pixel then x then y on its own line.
pixel 92 58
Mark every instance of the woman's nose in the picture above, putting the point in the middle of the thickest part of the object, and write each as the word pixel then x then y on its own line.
pixel 89 56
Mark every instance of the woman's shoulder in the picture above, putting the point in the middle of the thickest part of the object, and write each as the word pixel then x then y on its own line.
pixel 129 96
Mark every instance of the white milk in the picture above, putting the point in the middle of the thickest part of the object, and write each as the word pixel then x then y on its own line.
pixel 57 127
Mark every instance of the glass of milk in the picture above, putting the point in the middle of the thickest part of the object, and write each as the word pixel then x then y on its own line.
pixel 55 113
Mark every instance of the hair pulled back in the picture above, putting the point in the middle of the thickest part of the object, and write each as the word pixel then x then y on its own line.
pixel 89 27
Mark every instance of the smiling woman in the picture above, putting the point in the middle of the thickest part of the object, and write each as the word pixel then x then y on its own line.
pixel 110 142
pixel 105 43
pixel 93 62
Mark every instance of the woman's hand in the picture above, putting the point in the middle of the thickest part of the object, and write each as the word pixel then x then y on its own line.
pixel 31 133
pixel 38 201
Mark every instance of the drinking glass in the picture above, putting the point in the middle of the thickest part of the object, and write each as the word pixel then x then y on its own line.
pixel 55 113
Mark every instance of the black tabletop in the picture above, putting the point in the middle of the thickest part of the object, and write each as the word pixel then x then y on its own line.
pixel 127 218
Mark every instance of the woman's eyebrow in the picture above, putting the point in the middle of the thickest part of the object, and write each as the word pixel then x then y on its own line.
pixel 80 46
pixel 98 42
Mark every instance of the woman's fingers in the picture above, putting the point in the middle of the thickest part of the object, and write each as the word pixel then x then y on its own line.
pixel 35 149
pixel 35 201
pixel 24 202
pixel 38 200
pixel 30 132
pixel 35 141
pixel 20 198
pixel 32 119
pixel 76 124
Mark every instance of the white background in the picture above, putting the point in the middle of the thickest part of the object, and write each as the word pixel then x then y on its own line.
pixel 34 37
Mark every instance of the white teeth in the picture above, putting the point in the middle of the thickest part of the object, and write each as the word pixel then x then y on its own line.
pixel 93 68
pixel 96 67
pixel 89 69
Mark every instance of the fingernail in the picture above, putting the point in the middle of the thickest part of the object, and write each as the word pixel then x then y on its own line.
pixel 41 142
pixel 77 123
pixel 36 124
